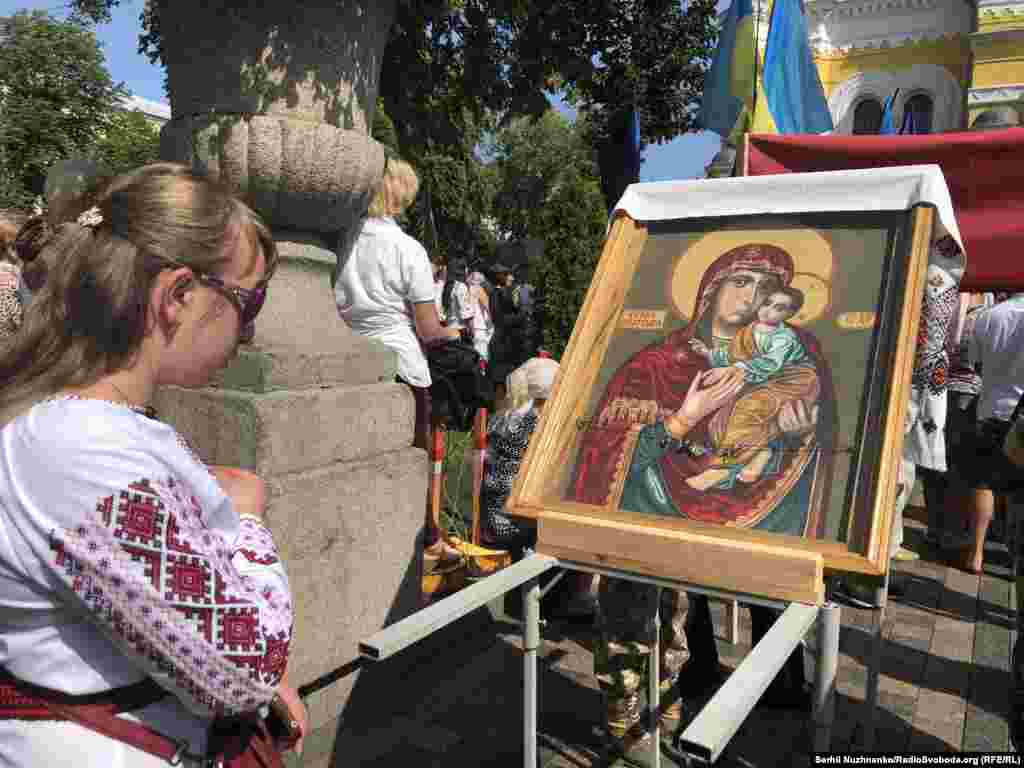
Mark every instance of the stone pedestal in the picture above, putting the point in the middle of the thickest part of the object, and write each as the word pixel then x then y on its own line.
pixel 275 100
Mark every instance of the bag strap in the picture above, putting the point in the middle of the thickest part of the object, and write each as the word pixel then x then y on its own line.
pixel 100 719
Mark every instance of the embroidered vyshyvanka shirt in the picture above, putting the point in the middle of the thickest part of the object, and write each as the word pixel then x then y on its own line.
pixel 925 443
pixel 120 558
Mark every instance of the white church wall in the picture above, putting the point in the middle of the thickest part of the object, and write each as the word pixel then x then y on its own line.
pixel 840 25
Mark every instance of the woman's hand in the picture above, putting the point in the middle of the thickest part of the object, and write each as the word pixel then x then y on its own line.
pixel 247 491
pixel 296 709
pixel 715 375
pixel 701 402
pixel 796 419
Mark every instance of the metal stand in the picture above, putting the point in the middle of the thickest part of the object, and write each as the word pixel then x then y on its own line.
pixel 653 687
pixel 870 717
pixel 709 733
pixel 825 670
pixel 531 642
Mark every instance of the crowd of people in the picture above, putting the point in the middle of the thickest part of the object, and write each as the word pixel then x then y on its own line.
pixel 156 277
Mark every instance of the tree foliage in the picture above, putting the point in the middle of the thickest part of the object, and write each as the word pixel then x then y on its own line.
pixel 57 100
pixel 130 141
pixel 548 189
pixel 474 63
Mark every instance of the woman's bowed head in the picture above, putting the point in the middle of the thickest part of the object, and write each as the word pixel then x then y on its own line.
pixel 157 284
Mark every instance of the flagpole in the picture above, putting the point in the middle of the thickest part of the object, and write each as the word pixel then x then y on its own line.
pixel 757 44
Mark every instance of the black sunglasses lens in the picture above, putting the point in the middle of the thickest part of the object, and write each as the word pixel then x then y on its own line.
pixel 254 305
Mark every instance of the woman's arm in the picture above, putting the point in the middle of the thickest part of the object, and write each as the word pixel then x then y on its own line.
pixel 655 440
pixel 254 552
pixel 204 612
pixel 428 323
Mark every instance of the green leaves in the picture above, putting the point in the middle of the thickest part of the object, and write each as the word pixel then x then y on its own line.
pixel 548 189
pixel 129 141
pixel 56 100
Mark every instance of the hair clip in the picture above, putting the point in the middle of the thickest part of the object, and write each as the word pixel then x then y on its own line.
pixel 91 218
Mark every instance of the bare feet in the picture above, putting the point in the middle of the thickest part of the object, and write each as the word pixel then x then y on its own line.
pixel 756 467
pixel 707 478
pixel 966 559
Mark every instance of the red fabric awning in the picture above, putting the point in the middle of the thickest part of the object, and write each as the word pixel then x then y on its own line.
pixel 984 171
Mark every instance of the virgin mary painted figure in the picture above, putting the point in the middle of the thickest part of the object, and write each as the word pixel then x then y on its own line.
pixel 628 459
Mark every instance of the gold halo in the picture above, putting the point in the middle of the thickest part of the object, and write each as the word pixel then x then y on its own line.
pixel 811 253
pixel 817 297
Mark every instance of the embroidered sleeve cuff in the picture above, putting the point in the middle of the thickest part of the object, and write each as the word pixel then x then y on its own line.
pixel 256 556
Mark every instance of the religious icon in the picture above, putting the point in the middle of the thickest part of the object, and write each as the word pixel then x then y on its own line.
pixel 731 404
pixel 745 465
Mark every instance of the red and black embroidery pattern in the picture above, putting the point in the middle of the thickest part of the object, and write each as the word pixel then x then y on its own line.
pixel 163 584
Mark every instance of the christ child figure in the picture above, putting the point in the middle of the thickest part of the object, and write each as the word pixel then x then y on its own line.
pixel 776 369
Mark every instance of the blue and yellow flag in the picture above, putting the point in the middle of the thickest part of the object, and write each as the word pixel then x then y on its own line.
pixel 791 85
pixel 729 84
pixel 888 126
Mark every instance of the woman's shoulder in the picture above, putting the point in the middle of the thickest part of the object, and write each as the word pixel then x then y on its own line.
pixel 388 231
pixel 87 433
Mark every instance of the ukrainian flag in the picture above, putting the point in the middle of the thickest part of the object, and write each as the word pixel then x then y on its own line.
pixel 729 85
pixel 888 125
pixel 790 83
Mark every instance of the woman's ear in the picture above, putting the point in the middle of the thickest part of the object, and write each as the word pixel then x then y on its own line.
pixel 171 294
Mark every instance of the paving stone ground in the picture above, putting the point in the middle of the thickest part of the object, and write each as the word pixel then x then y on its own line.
pixel 944 684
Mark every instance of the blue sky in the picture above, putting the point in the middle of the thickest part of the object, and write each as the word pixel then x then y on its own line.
pixel 682 158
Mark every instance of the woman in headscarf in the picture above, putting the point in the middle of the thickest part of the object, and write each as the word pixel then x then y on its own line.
pixel 653 384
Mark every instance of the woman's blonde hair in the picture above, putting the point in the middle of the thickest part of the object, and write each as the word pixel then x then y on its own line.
pixel 90 316
pixel 397 190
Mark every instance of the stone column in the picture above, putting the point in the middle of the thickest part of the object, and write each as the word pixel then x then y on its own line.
pixel 275 99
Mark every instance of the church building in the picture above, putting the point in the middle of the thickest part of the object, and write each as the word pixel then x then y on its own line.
pixel 958 65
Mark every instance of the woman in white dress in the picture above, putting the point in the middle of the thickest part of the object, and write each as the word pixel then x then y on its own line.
pixel 385 291
pixel 131 574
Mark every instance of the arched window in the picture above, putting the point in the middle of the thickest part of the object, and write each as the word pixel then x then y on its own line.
pixel 996 118
pixel 867 117
pixel 917 114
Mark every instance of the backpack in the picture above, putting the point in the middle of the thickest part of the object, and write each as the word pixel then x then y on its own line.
pixel 459 383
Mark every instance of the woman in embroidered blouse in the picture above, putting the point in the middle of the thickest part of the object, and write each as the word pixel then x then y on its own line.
pixel 123 557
